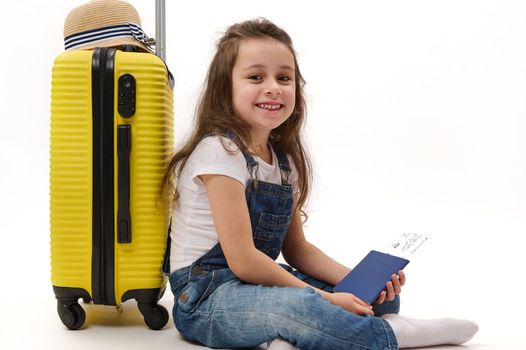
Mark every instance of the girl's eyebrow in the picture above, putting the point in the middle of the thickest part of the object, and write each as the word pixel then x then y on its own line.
pixel 259 65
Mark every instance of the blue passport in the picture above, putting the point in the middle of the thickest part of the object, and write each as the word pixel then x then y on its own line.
pixel 368 278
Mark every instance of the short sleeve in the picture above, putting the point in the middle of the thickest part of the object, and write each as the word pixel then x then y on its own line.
pixel 210 157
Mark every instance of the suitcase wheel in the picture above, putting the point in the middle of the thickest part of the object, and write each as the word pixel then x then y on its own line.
pixel 72 315
pixel 155 316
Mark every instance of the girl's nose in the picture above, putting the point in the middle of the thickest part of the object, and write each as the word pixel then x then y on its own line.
pixel 272 88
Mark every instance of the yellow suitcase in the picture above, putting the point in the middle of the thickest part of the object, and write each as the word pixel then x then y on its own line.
pixel 111 139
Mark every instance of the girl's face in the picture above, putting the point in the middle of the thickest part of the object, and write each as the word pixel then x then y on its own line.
pixel 263 86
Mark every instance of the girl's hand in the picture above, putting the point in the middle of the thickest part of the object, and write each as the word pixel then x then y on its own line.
pixel 392 288
pixel 350 303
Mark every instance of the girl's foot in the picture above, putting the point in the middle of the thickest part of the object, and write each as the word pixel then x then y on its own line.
pixel 411 333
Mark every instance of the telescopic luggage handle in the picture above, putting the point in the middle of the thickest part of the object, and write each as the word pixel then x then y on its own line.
pixel 160 35
pixel 160 29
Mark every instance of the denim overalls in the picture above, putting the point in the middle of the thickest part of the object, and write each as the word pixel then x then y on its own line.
pixel 217 309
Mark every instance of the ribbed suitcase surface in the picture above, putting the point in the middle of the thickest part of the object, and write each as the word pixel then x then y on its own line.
pixel 134 263
pixel 138 263
pixel 71 171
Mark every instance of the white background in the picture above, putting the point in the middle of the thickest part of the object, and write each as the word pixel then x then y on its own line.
pixel 416 123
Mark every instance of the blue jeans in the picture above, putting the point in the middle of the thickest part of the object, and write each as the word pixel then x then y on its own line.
pixel 217 309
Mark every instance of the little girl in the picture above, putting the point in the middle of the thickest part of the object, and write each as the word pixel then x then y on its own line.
pixel 240 184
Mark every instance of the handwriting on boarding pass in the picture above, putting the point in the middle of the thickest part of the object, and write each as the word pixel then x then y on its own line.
pixel 406 244
pixel 412 241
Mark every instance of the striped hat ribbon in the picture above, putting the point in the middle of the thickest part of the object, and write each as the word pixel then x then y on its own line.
pixel 117 31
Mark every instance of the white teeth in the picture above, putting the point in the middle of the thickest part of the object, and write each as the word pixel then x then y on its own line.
pixel 269 107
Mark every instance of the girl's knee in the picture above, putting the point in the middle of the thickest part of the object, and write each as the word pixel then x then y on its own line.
pixel 387 307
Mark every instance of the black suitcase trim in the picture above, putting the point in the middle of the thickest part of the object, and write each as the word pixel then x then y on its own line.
pixel 103 285
pixel 72 295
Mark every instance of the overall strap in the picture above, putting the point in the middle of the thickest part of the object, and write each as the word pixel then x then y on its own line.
pixel 252 164
pixel 284 166
pixel 283 160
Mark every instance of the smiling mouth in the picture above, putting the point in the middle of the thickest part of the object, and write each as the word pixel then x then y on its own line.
pixel 269 107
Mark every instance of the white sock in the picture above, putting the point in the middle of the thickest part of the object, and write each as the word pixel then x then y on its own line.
pixel 411 333
pixel 280 344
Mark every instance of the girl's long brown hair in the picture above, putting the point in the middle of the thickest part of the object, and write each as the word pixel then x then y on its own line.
pixel 215 113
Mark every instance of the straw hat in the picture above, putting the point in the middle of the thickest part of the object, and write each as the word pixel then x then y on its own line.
pixel 104 23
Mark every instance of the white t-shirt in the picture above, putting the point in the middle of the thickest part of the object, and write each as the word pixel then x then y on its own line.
pixel 193 232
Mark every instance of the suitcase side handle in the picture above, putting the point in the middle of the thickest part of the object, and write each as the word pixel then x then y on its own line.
pixel 123 153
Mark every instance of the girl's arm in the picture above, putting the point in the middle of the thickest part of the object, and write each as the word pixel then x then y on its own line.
pixel 306 257
pixel 232 222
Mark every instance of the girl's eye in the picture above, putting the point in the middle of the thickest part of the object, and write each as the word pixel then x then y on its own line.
pixel 255 77
pixel 284 78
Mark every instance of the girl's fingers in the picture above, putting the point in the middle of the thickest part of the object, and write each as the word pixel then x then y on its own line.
pixel 362 310
pixel 381 297
pixel 397 286
pixel 401 277
pixel 390 291
pixel 367 311
pixel 360 302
